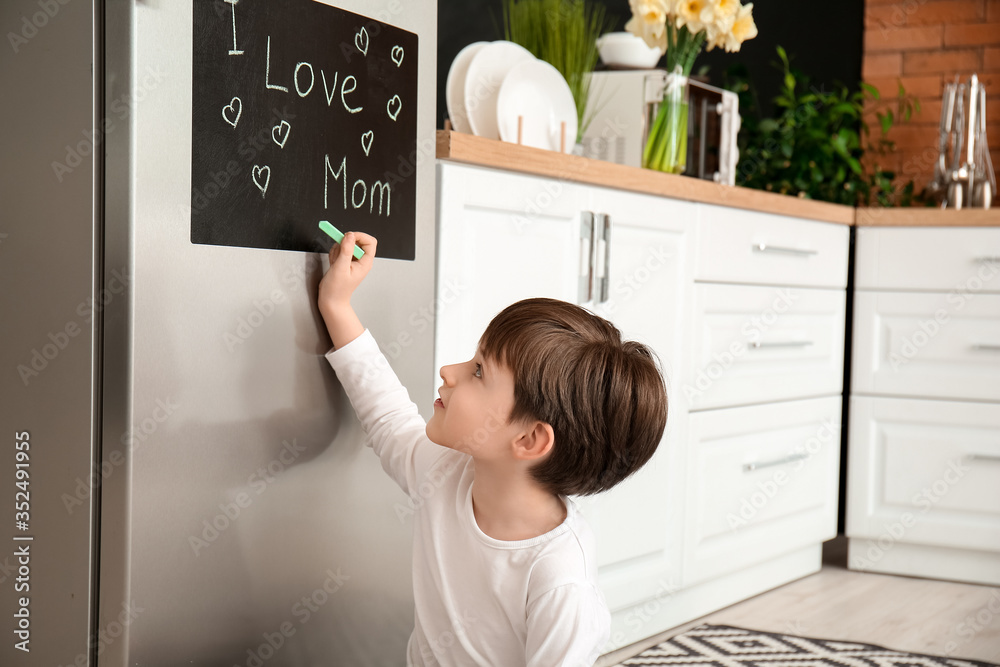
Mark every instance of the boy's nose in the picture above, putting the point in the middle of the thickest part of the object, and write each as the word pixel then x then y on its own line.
pixel 447 372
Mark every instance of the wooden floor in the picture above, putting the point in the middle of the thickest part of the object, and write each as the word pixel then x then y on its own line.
pixel 901 613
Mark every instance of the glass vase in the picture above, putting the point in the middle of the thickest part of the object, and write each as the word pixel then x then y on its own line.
pixel 666 144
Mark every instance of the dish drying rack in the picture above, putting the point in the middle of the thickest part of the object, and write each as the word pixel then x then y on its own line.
pixel 963 181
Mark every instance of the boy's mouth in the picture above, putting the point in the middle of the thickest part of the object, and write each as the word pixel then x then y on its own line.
pixel 439 403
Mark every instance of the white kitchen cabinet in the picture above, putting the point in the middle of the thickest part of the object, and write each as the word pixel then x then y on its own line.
pixel 768 328
pixel 925 488
pixel 924 435
pixel 762 483
pixel 646 259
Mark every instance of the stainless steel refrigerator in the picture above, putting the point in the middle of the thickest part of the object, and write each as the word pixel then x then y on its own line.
pixel 196 489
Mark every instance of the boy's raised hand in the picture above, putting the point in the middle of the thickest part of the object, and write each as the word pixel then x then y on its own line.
pixel 338 284
pixel 345 272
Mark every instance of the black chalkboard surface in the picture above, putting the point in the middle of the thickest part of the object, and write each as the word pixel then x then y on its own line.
pixel 301 112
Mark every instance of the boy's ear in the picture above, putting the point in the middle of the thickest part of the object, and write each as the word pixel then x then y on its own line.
pixel 534 442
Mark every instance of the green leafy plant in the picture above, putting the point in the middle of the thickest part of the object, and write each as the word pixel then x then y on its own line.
pixel 818 145
pixel 564 34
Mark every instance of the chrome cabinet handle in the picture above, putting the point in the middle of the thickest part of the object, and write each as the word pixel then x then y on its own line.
pixel 603 231
pixel 986 346
pixel 763 247
pixel 750 467
pixel 992 458
pixel 787 343
pixel 585 290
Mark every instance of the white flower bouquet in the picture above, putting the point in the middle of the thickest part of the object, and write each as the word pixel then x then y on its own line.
pixel 681 28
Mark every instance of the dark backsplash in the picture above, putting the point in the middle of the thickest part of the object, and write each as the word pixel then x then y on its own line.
pixel 824 38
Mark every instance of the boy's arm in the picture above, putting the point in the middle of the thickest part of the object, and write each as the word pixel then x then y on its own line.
pixel 337 286
pixel 390 419
pixel 567 627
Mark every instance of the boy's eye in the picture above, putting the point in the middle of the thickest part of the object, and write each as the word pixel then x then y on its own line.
pixel 479 371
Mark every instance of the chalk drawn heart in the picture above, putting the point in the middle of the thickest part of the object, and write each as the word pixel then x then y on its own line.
pixel 236 107
pixel 366 141
pixel 399 107
pixel 258 171
pixel 276 132
pixel 397 55
pixel 361 41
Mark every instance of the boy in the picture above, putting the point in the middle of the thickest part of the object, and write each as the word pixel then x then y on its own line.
pixel 553 403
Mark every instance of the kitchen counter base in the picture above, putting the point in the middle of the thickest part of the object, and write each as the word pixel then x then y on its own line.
pixel 929 562
pixel 668 608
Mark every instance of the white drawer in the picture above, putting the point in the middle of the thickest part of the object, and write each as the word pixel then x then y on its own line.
pixel 924 472
pixel 737 246
pixel 763 482
pixel 523 197
pixel 964 260
pixel 755 344
pixel 928 344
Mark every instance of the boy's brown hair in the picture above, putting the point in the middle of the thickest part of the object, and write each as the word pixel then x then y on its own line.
pixel 604 397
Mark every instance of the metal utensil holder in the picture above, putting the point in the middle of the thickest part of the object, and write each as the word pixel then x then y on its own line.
pixel 963 173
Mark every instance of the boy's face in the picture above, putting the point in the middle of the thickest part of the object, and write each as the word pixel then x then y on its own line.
pixel 471 414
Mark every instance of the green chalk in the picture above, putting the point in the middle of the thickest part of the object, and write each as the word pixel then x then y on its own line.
pixel 338 236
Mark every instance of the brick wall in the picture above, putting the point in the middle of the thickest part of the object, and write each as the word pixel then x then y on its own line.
pixel 924 44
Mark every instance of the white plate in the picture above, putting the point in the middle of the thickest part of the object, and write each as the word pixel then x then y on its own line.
pixel 538 93
pixel 482 84
pixel 454 88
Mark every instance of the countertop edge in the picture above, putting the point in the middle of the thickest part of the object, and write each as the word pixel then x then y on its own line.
pixel 490 153
pixel 473 150
pixel 927 217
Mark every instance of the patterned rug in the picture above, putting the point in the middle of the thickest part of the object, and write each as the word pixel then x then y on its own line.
pixel 726 646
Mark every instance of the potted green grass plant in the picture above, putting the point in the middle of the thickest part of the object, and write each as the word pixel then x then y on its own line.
pixel 564 34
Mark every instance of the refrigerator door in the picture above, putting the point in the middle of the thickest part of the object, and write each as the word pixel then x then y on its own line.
pixel 49 336
pixel 247 523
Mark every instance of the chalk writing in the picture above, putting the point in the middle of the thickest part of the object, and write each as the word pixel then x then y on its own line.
pixel 394 106
pixel 233 51
pixel 235 108
pixel 361 41
pixel 261 177
pixel 367 193
pixel 267 70
pixel 282 128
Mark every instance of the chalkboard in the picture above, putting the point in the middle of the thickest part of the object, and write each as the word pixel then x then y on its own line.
pixel 301 112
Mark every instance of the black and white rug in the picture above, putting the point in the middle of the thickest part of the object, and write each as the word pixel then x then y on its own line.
pixel 726 646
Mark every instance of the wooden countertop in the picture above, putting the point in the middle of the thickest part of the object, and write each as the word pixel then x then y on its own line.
pixel 927 217
pixel 470 149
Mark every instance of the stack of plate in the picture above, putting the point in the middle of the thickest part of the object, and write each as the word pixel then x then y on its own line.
pixel 492 84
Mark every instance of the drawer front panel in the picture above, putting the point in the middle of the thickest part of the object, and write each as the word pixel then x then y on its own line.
pixel 924 472
pixel 964 260
pixel 737 246
pixel 764 482
pixel 755 344
pixel 932 345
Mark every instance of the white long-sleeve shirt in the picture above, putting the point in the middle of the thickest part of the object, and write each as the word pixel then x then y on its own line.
pixel 478 600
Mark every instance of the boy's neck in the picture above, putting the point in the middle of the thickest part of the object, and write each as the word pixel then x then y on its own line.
pixel 513 507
